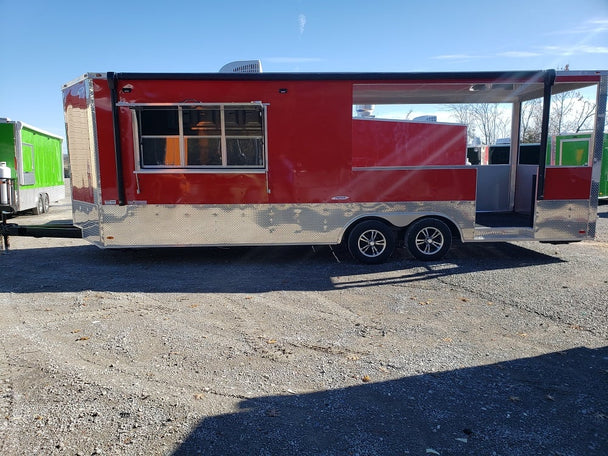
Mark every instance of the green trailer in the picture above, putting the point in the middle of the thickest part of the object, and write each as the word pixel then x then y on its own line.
pixel 31 168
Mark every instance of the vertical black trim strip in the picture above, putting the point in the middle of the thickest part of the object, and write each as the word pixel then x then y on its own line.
pixel 548 84
pixel 113 85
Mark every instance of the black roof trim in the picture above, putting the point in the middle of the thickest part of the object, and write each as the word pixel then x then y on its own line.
pixel 489 75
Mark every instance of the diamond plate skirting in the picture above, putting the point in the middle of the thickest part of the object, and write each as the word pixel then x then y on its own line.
pixel 271 224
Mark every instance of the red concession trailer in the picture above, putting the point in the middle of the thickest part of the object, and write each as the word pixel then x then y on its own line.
pixel 227 159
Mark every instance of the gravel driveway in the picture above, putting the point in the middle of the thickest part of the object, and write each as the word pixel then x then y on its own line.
pixel 499 349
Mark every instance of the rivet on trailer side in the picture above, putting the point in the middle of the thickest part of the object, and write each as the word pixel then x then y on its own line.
pixel 260 159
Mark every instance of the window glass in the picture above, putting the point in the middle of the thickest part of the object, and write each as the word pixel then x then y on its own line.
pixel 243 122
pixel 203 151
pixel 244 152
pixel 201 136
pixel 159 121
pixel 202 121
pixel 160 152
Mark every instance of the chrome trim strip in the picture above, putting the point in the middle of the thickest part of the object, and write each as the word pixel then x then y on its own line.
pixel 94 145
pixel 598 149
pixel 408 168
pixel 125 104
pixel 193 170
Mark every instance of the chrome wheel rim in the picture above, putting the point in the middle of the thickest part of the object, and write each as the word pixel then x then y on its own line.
pixel 429 240
pixel 372 243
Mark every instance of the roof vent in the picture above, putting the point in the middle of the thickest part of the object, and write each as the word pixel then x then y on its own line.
pixel 242 66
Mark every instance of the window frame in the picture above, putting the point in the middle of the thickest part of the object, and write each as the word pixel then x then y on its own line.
pixel 27 172
pixel 183 167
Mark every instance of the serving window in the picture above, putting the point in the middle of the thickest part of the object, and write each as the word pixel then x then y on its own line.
pixel 200 136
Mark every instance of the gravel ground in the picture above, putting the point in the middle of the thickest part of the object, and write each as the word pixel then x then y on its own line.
pixel 499 349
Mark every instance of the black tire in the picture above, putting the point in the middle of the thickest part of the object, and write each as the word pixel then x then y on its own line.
pixel 428 239
pixel 39 208
pixel 45 203
pixel 371 242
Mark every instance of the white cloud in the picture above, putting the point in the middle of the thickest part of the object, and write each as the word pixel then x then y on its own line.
pixel 519 54
pixel 456 57
pixel 601 24
pixel 566 50
pixel 302 23
pixel 594 49
pixel 590 27
pixel 576 49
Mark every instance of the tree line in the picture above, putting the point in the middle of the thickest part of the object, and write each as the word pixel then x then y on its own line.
pixel 570 112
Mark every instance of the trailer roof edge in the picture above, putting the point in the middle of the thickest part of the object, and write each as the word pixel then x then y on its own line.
pixel 361 76
pixel 91 75
pixel 21 125
pixel 336 75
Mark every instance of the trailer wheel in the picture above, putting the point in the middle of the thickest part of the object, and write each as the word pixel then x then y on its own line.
pixel 371 242
pixel 428 239
pixel 39 208
pixel 45 203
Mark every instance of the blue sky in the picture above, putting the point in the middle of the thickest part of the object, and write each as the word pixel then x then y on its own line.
pixel 48 43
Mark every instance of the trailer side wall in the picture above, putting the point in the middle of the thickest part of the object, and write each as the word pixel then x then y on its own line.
pixel 47 160
pixel 322 170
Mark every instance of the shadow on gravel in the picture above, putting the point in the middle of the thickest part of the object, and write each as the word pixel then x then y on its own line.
pixel 237 269
pixel 555 404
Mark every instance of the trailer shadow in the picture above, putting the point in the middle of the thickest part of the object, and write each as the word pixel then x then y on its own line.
pixel 238 269
pixel 553 404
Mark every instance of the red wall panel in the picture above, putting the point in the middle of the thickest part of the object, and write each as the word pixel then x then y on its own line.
pixel 309 143
pixel 389 143
pixel 568 183
pixel 313 143
pixel 414 185
pixel 182 188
